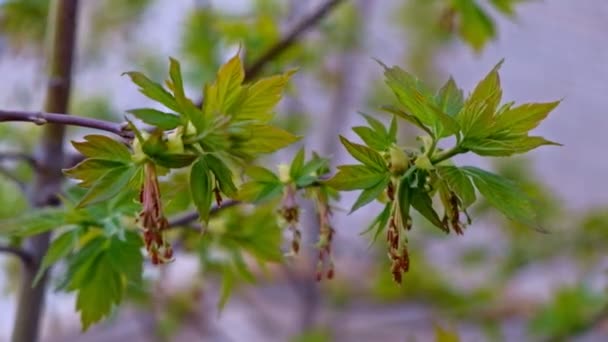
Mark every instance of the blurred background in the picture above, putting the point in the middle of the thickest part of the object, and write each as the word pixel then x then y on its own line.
pixel 500 281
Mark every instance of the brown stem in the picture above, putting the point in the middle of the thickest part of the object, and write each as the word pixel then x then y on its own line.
pixel 292 37
pixel 26 258
pixel 187 218
pixel 48 177
pixel 41 118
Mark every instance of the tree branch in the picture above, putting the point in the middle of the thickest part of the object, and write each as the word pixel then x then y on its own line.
pixel 25 257
pixel 62 22
pixel 292 37
pixel 187 218
pixel 41 118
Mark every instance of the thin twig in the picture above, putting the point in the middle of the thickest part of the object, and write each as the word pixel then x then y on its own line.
pixel 41 118
pixel 188 218
pixel 290 38
pixel 22 254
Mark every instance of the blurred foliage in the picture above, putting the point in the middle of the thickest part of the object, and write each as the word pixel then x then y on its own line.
pixel 23 22
pixel 571 311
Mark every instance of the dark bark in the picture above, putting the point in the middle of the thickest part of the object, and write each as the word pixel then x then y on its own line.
pixel 49 161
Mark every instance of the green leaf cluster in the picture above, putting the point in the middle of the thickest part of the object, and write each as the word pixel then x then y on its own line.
pixel 236 238
pixel 410 177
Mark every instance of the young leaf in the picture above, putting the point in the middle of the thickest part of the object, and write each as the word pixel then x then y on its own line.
pixel 404 194
pixel 477 116
pixel 373 139
pixel 229 80
pixel 103 147
pixel 476 26
pixel 523 118
pixel 458 182
pixel 297 164
pixel 365 155
pixel 201 188
pixel 222 174
pixel 261 174
pixel 371 193
pixel 100 269
pixel 379 223
pixel 422 202
pixel 59 248
pixel 311 171
pixel 156 118
pixel 409 118
pixel 507 146
pixel 260 98
pixel 503 195
pixel 108 186
pixel 449 99
pixel 354 177
pixel 255 192
pixel 266 139
pixel 36 222
pixel 90 170
pixel 153 90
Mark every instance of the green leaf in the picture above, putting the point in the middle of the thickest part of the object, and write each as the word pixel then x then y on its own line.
pixel 229 80
pixel 365 155
pixel 108 186
pixel 201 188
pixel 266 139
pixel 59 248
pixel 507 146
pixel 156 118
pixel 458 182
pixel 379 223
pixel 354 177
pixel 488 90
pixel 222 174
pixel 403 197
pixel 409 118
pixel 100 293
pixel 255 192
pixel 174 160
pixel 103 147
pixel 260 98
pixel 476 26
pixel 175 74
pixel 311 171
pixel 371 193
pixel 449 99
pixel 523 118
pixel 297 164
pixel 373 138
pixel 35 222
pixel 504 195
pixel 90 170
pixel 411 92
pixel 100 273
pixel 261 174
pixel 153 90
pixel 422 202
pixel 376 125
pixel 157 150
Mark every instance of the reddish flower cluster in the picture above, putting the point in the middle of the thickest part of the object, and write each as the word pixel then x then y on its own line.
pixel 326 233
pixel 152 219
pixel 291 214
